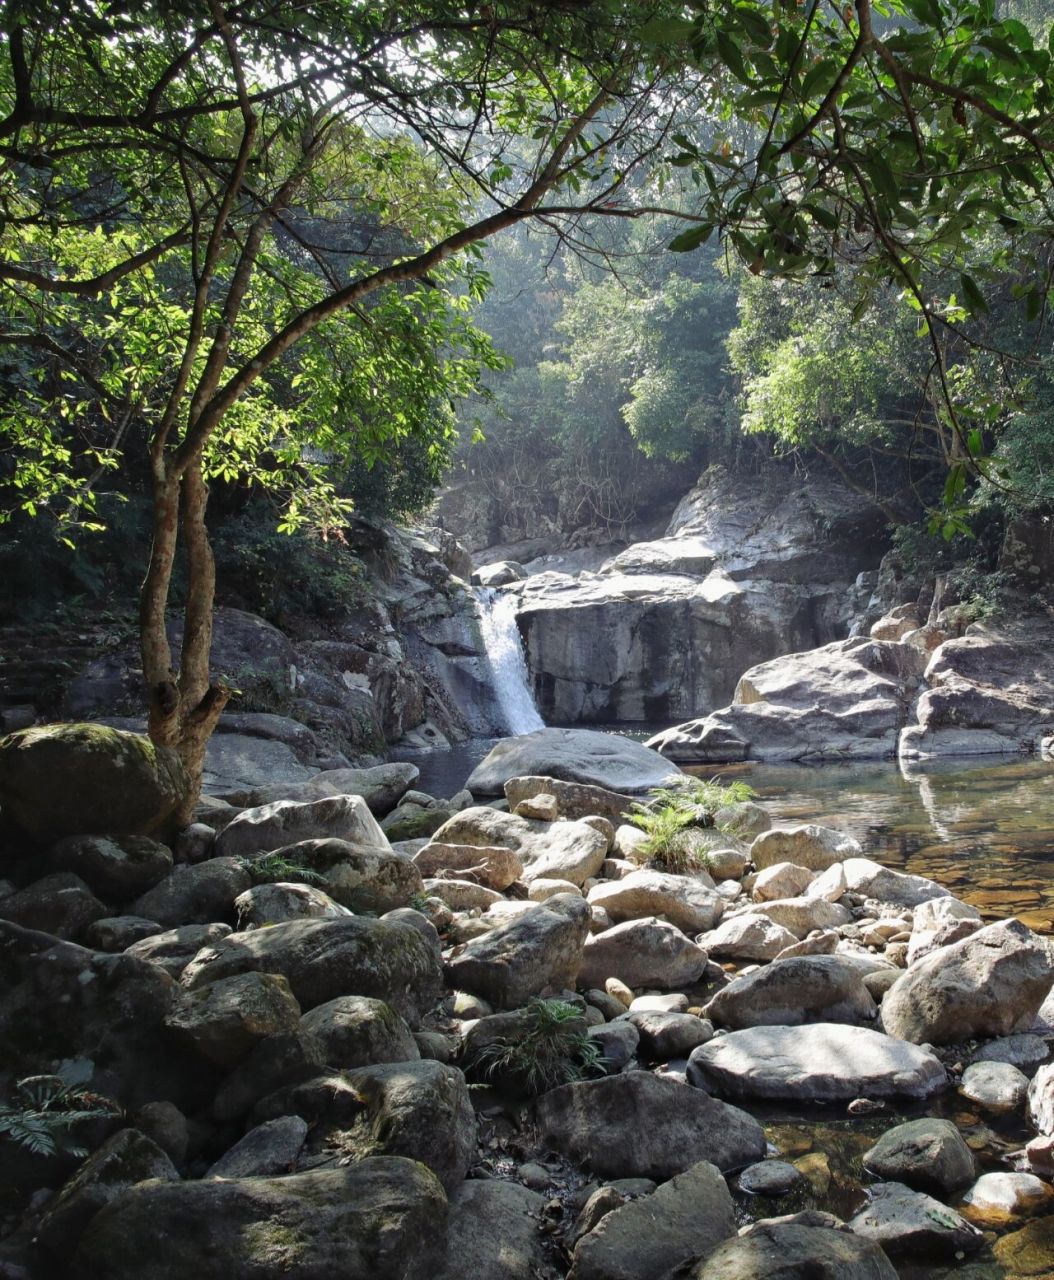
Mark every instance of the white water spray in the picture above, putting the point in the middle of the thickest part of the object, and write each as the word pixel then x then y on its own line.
pixel 501 638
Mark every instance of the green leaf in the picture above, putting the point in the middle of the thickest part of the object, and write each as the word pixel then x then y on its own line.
pixel 692 238
pixel 975 299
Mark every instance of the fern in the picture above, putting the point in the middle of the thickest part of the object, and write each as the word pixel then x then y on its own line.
pixel 46 1109
pixel 551 1052
pixel 274 868
pixel 668 817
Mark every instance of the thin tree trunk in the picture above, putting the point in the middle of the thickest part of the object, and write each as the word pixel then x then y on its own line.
pixel 162 691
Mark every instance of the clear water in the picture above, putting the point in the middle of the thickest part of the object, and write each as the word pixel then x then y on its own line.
pixel 504 649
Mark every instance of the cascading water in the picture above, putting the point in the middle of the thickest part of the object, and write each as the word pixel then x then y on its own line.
pixel 501 638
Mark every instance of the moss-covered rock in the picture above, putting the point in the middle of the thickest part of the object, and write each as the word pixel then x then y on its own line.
pixel 60 780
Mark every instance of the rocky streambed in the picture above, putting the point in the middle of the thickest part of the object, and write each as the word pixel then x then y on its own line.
pixel 293 1044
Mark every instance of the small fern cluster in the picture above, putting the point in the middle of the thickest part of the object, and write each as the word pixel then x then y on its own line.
pixel 44 1112
pixel 275 868
pixel 551 1050
pixel 668 817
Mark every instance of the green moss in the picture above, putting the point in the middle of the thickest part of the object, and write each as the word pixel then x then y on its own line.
pixel 273 1242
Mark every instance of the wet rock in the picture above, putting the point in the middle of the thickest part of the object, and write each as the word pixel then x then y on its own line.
pixel 929 1155
pixel 990 984
pixel 996 1085
pixel 123 1161
pixel 266 904
pixel 1027 1253
pixel 639 1125
pixel 494 1233
pixel 382 1218
pixel 322 959
pixel 173 949
pixel 788 1250
pixel 789 992
pixel 997 1200
pixel 642 953
pixel 225 1019
pixel 748 936
pixel 495 867
pixel 285 822
pixel 571 755
pixel 195 894
pixel 59 904
pixel 659 1235
pixel 908 1223
pixel 266 1151
pixel 669 1035
pixel 770 1178
pixel 821 1062
pixel 538 951
pixel 355 1031
pixel 115 867
pixel 688 902
pixel 59 780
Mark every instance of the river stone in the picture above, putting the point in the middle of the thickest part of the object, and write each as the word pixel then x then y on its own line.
pixel 618 1043
pixel 548 850
pixel 929 1155
pixel 990 984
pixel 495 867
pixel 494 1233
pixel 999 1199
pixel 642 953
pixel 1021 1050
pixel 748 936
pixel 667 1035
pixel 770 1178
pixel 802 915
pixel 60 780
pixel 116 933
pixel 574 799
pixel 642 1126
pixel 931 921
pixel 872 880
pixel 1026 1254
pixel 659 1234
pixel 572 755
pixel 196 894
pixel 382 787
pixel 820 1062
pixel 823 944
pixel 285 822
pixel 908 1223
pixel 275 903
pixel 124 1160
pixel 809 846
pixel 356 1031
pixel 790 1251
pixel 323 959
pixel 266 1151
pixel 789 992
pixel 174 949
pixel 466 895
pixel 225 1019
pixel 115 867
pixel 781 880
pixel 60 904
pixel 383 1218
pixel 996 1085
pixel 366 879
pixel 688 902
pixel 537 951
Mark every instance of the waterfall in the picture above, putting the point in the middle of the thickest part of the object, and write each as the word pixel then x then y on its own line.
pixel 501 638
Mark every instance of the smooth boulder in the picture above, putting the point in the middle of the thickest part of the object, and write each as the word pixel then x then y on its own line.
pixel 790 992
pixel 572 755
pixel 642 953
pixel 284 822
pixel 792 1251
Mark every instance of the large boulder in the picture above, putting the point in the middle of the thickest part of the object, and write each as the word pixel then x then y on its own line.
pixel 909 1223
pixel 495 867
pixel 748 936
pixel 809 845
pixel 116 867
pixel 846 700
pixel 659 1234
pixel 60 780
pixel 359 877
pixel 688 902
pixel 793 1251
pixel 384 1219
pixel 495 1232
pixel 571 755
pixel 277 902
pixel 989 984
pixel 642 953
pixel 789 992
pixel 228 1017
pixel 571 851
pixel 573 799
pixel 638 1125
pixel 355 1031
pixel 537 951
pixel 323 959
pixel 198 894
pixel 284 822
pixel 872 880
pixel 822 1062
pixel 928 1154
pixel 60 904
pixel 382 787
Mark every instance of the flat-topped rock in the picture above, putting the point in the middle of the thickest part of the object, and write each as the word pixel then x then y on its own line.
pixel 572 755
pixel 824 1062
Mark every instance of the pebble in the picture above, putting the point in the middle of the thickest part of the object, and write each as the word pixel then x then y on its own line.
pixel 769 1178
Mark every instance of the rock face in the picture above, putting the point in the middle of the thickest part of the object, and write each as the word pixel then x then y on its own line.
pixel 746 571
pixel 789 1251
pixel 383 1218
pixel 538 951
pixel 824 1062
pixel 571 755
pixel 989 984
pixel 61 780
pixel 323 959
pixel 643 1126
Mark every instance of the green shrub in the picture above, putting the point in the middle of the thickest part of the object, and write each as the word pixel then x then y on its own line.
pixel 669 817
pixel 553 1050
